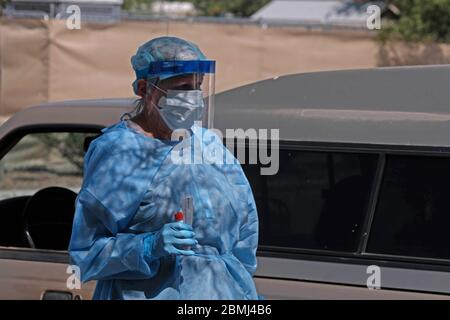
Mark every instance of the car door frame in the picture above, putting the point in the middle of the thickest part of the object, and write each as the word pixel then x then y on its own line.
pixel 24 254
pixel 284 263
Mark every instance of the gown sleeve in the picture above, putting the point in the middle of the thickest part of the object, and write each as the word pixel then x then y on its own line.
pixel 114 181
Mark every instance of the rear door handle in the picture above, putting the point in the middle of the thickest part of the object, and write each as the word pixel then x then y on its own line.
pixel 59 295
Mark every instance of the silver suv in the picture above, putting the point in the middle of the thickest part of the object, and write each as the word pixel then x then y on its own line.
pixel 359 201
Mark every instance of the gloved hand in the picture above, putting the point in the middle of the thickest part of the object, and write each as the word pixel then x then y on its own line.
pixel 171 238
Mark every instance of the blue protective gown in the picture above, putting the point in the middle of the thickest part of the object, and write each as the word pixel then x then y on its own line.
pixel 131 188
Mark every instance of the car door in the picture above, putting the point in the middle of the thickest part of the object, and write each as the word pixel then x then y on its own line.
pixel 313 216
pixel 40 175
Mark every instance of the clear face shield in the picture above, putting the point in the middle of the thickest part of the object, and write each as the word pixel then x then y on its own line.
pixel 187 91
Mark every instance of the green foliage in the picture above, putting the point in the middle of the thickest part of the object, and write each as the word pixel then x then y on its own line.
pixel 133 5
pixel 419 21
pixel 239 8
pixel 3 3
pixel 69 146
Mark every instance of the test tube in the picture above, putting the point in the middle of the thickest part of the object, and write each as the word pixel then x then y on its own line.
pixel 187 206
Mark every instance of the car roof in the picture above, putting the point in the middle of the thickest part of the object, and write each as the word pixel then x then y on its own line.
pixel 388 106
pixel 94 113
pixel 393 106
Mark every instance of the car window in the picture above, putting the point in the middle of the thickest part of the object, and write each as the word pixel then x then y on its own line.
pixel 412 217
pixel 317 200
pixel 47 166
pixel 40 160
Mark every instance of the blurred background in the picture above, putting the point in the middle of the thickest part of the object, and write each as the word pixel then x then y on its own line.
pixel 42 59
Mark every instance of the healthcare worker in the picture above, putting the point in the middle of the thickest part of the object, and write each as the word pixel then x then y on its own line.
pixel 136 178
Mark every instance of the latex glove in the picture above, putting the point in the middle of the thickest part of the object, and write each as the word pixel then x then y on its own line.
pixel 171 239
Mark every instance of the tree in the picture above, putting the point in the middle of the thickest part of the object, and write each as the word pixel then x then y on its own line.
pixel 68 146
pixel 133 5
pixel 419 21
pixel 240 8
pixel 3 3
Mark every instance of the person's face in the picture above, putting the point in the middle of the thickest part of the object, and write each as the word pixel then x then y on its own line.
pixel 183 82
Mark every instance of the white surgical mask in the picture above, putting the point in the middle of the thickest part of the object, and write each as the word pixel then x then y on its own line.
pixel 181 108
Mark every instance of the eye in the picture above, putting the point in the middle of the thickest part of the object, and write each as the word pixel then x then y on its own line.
pixel 185 86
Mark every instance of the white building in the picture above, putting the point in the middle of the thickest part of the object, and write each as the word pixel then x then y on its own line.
pixel 320 12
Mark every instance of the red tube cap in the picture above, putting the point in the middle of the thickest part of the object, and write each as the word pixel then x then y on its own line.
pixel 179 216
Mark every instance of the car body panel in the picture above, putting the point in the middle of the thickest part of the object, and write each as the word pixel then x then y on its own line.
pixel 407 106
pixel 29 280
pixel 284 289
